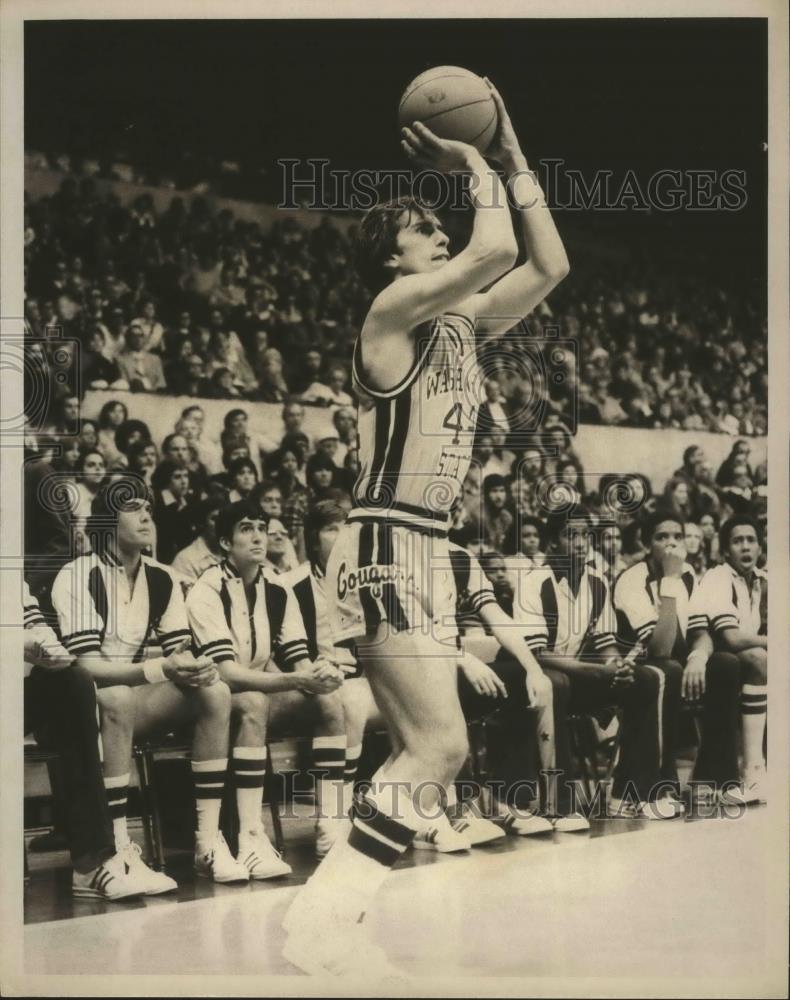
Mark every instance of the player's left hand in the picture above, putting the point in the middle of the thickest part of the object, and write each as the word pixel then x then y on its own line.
pixel 539 689
pixel 505 147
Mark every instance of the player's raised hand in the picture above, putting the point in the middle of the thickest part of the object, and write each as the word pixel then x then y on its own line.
pixel 426 149
pixel 505 147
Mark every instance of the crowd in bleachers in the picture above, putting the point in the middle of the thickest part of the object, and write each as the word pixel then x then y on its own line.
pixel 196 302
pixel 202 305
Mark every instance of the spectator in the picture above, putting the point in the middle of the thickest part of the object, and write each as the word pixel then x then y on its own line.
pixel 609 410
pixel 320 475
pixel 677 499
pixel 205 551
pixel 111 416
pixel 272 387
pixel 329 390
pixel 141 369
pixel 344 419
pixel 491 413
pixel 88 434
pixel 695 550
pixel 269 498
pixel 130 433
pixel 739 453
pixel 281 555
pixel 91 474
pixel 242 479
pixel 97 371
pixel 173 513
pixel 153 331
pixel 143 459
pixel 227 354
pixel 496 522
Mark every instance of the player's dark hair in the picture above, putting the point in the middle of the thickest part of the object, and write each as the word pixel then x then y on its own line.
pixel 557 521
pixel 230 516
pixel 738 521
pixel 651 523
pixel 377 240
pixel 109 502
pixel 318 517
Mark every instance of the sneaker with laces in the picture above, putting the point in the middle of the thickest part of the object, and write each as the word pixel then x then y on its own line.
pixel 477 829
pixel 329 830
pixel 155 883
pixel 664 808
pixel 217 863
pixel 574 822
pixel 441 837
pixel 521 822
pixel 110 881
pixel 259 856
pixel 754 785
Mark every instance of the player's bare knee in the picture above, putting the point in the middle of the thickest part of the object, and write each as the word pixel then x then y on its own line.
pixel 755 664
pixel 331 711
pixel 251 707
pixel 213 700
pixel 117 706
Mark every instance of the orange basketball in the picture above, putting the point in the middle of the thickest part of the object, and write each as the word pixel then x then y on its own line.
pixel 454 103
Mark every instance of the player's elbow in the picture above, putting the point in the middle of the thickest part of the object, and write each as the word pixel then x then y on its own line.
pixel 558 269
pixel 497 258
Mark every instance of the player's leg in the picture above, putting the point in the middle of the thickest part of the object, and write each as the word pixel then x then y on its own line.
pixel 117 715
pixel 518 721
pixel 414 684
pixel 670 686
pixel 754 707
pixel 360 710
pixel 717 759
pixel 250 712
pixel 67 700
pixel 164 707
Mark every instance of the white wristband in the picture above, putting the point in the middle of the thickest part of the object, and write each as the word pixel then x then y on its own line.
pixel 671 587
pixel 154 672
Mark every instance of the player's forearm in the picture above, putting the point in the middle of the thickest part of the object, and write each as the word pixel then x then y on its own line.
pixel 510 640
pixel 107 673
pixel 240 679
pixel 737 640
pixel 665 633
pixel 560 662
pixel 492 231
pixel 545 249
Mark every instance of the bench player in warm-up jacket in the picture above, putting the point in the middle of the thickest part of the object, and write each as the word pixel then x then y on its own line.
pixel 390 585
pixel 250 626
pixel 734 600
pixel 109 604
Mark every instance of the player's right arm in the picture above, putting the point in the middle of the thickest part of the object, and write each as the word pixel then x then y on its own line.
pixel 213 639
pixel 82 629
pixel 491 251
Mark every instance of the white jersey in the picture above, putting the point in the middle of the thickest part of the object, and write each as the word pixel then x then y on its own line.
pixel 415 441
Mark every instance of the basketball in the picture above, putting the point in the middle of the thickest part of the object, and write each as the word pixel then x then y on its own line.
pixel 454 103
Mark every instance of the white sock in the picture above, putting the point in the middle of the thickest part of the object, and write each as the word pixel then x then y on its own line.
pixel 117 794
pixel 754 706
pixel 208 777
pixel 249 765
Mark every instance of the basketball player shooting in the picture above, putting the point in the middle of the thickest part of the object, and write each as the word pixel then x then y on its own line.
pixel 389 583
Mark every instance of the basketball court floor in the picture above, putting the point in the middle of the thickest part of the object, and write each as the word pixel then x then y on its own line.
pixel 633 900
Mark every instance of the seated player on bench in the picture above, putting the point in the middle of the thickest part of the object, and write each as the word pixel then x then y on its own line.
pixel 108 604
pixel 251 628
pixel 734 599
pixel 321 526
pixel 566 616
